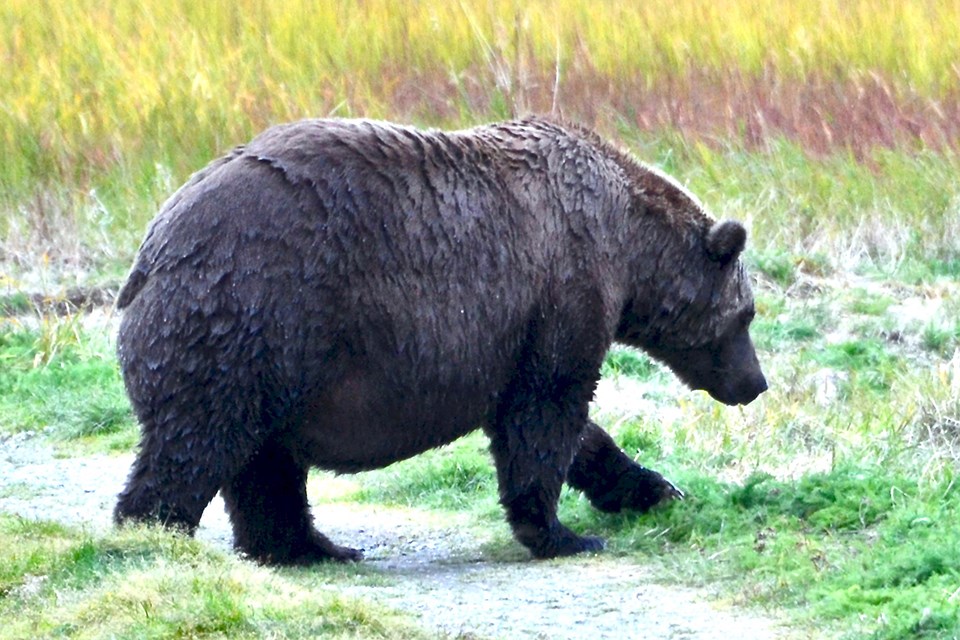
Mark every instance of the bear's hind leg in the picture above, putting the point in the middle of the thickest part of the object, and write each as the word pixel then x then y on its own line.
pixel 611 480
pixel 172 489
pixel 268 507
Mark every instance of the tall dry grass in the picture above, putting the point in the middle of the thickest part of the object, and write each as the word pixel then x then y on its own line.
pixel 108 105
pixel 87 83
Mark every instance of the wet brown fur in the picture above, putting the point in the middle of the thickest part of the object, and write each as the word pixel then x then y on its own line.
pixel 347 293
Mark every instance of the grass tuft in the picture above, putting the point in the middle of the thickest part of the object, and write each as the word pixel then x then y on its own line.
pixel 146 582
pixel 623 361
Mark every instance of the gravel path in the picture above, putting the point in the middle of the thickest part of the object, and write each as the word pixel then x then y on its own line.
pixel 433 569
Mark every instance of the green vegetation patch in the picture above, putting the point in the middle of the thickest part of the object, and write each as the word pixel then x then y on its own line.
pixel 777 265
pixel 782 322
pixel 867 303
pixel 871 551
pixel 941 338
pixel 63 379
pixel 455 477
pixel 868 362
pixel 15 303
pixel 768 333
pixel 149 583
pixel 623 361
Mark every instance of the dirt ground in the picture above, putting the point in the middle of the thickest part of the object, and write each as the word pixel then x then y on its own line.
pixel 432 567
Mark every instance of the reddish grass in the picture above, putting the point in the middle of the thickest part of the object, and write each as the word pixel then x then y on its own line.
pixel 819 113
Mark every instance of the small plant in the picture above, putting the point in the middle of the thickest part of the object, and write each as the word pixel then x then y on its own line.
pixel 779 266
pixel 14 304
pixel 940 339
pixel 867 361
pixel 57 334
pixel 949 268
pixel 870 304
pixel 639 437
pixel 623 361
pixel 773 333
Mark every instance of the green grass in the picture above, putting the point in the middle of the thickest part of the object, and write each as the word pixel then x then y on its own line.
pixel 941 337
pixel 779 266
pixel 61 378
pixel 459 476
pixel 57 582
pixel 865 546
pixel 623 361
pixel 15 304
pixel 863 302
pixel 778 327
pixel 866 362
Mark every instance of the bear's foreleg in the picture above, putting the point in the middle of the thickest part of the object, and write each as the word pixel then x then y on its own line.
pixel 611 480
pixel 268 507
pixel 532 441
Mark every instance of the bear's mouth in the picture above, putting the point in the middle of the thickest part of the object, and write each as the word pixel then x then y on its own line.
pixel 738 392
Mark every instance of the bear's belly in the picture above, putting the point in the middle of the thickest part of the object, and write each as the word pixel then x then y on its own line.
pixel 360 425
pixel 350 448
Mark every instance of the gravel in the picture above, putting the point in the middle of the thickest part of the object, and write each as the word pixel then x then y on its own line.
pixel 433 568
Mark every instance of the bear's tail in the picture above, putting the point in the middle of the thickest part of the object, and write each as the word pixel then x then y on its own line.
pixel 132 287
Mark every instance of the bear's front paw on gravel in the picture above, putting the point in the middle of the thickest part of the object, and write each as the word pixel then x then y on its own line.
pixel 560 541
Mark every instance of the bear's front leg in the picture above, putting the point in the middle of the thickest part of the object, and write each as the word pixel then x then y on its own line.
pixel 533 439
pixel 611 480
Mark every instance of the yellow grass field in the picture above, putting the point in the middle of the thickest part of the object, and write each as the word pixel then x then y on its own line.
pixel 84 83
pixel 108 105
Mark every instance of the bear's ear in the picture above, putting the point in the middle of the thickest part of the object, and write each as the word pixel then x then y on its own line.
pixel 725 241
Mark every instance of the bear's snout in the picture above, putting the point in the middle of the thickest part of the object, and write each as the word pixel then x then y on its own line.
pixel 741 391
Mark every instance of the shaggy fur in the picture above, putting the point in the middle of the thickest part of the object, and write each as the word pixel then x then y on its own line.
pixel 347 293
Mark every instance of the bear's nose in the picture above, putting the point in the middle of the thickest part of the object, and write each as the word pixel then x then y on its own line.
pixel 755 385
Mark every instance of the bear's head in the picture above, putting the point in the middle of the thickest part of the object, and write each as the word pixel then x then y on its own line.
pixel 691 309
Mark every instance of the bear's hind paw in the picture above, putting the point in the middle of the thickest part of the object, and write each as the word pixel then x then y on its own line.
pixel 320 549
pixel 315 549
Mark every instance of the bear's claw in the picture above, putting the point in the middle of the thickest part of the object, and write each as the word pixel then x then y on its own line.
pixel 671 492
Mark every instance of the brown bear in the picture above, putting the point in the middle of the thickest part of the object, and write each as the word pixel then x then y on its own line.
pixel 344 294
